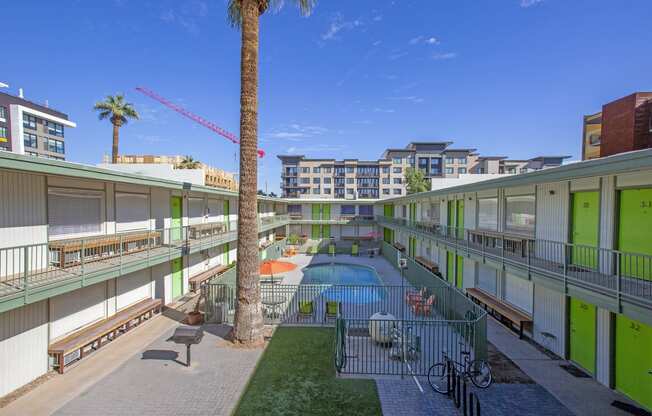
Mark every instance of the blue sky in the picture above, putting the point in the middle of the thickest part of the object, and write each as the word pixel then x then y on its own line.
pixel 508 77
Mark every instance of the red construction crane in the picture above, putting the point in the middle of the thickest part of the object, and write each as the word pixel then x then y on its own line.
pixel 197 119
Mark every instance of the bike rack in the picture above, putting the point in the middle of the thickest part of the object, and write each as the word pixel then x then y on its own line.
pixel 460 394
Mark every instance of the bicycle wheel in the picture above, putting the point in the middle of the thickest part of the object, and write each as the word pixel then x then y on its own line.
pixel 438 378
pixel 480 373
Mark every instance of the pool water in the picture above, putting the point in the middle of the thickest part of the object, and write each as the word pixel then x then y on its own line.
pixel 355 284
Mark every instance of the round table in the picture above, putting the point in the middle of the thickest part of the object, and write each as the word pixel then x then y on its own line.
pixel 273 301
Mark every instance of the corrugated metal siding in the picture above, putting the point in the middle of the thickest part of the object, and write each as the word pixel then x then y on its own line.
pixel 468 279
pixel 469 212
pixel 487 279
pixel 161 208
pixel 519 190
pixel 132 212
pixel 608 220
pixel 22 209
pixel 74 310
pixel 585 184
pixel 550 317
pixel 552 212
pixel 162 278
pixel 519 292
pixel 642 178
pixel 603 347
pixel 23 345
pixel 133 288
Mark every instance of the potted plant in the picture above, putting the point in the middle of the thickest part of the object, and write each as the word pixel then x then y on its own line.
pixel 195 317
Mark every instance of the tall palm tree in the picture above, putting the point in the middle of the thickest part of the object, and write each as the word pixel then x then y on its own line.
pixel 244 14
pixel 118 112
pixel 188 162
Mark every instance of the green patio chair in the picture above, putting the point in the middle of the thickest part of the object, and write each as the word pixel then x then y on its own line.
pixel 306 309
pixel 331 250
pixel 331 309
pixel 312 250
pixel 355 250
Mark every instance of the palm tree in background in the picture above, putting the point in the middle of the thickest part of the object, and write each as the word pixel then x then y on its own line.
pixel 188 162
pixel 118 112
pixel 244 15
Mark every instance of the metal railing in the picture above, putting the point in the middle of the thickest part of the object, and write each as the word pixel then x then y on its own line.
pixel 614 273
pixel 46 265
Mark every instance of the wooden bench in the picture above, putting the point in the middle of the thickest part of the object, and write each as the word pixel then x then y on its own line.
pixel 360 238
pixel 107 329
pixel 433 267
pixel 196 281
pixel 501 310
pixel 206 230
pixel 101 247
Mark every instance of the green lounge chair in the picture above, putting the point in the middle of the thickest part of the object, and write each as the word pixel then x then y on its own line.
pixel 312 250
pixel 306 309
pixel 331 250
pixel 331 309
pixel 355 250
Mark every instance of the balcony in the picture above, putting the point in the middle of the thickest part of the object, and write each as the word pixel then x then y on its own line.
pixel 34 272
pixel 614 276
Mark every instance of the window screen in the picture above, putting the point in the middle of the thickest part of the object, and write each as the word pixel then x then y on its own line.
pixel 196 210
pixel 132 212
pixel 519 214
pixel 366 210
pixel 348 210
pixel 72 212
pixel 488 213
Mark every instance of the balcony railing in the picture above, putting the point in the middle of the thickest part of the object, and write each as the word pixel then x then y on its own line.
pixel 616 274
pixel 27 269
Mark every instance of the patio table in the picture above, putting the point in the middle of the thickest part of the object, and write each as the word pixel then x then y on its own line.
pixel 273 301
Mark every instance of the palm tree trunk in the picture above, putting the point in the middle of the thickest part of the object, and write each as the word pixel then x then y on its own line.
pixel 114 152
pixel 248 325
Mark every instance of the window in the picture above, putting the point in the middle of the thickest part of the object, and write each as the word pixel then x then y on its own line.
pixel 511 170
pixel 366 210
pixel 481 170
pixel 349 181
pixel 450 160
pixel 327 191
pixel 3 135
pixel 29 122
pixel 55 146
pixel 461 170
pixel 488 213
pixel 385 191
pixel 54 129
pixel 316 169
pixel 523 170
pixel 294 209
pixel 385 169
pixel 30 140
pixel 327 169
pixel 316 180
pixel 397 192
pixel 520 214
pixel 349 169
pixel 72 212
pixel 3 113
pixel 595 139
pixel 327 180
pixel 386 181
pixel 349 191
pixel 347 210
pixel 398 170
pixel 305 180
pixel 397 160
pixel 423 164
pixel 461 161
pixel 411 160
pixel 305 170
pixel 397 181
pixel 435 166
pixel 449 170
pixel 315 191
pixel 404 210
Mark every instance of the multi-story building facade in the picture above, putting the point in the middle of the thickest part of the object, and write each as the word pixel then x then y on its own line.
pixel 32 129
pixel 385 178
pixel 212 176
pixel 623 125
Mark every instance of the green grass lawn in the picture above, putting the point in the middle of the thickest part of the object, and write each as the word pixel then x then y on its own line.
pixel 296 376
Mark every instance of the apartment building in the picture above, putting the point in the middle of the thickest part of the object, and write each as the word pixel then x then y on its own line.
pixel 82 246
pixel 302 177
pixel 32 129
pixel 568 248
pixel 623 125
pixel 211 176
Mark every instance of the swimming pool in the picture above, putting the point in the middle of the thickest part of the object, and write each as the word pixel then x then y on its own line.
pixel 352 283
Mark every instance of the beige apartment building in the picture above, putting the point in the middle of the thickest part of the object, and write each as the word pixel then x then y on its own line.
pixel 302 177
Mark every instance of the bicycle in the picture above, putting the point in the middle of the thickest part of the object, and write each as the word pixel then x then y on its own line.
pixel 478 371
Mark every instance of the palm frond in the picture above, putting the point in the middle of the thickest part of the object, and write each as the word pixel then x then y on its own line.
pixel 234 15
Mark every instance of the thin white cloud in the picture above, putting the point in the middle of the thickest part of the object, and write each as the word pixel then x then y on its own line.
pixel 428 40
pixel 186 15
pixel 396 54
pixel 295 132
pixel 444 56
pixel 529 3
pixel 384 110
pixel 337 25
pixel 410 98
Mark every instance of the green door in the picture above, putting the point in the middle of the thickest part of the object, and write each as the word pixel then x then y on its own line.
pixel 460 218
pixel 582 334
pixel 314 234
pixel 387 235
pixel 585 223
pixel 325 231
pixel 388 210
pixel 634 360
pixel 177 277
pixel 175 218
pixel 459 271
pixel 413 212
pixel 634 228
pixel 227 250
pixel 227 214
pixel 326 212
pixel 450 267
pixel 316 211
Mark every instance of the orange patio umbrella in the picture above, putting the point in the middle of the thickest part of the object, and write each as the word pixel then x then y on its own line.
pixel 272 267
